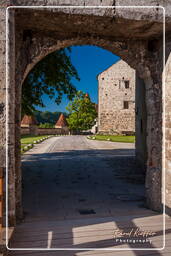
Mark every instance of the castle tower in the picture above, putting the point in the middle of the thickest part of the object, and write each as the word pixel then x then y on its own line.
pixel 30 122
pixel 61 123
pixel 116 99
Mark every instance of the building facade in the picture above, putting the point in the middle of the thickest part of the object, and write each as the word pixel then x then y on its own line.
pixel 143 52
pixel 29 123
pixel 116 99
pixel 62 124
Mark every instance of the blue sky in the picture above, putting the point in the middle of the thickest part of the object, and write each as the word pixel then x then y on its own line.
pixel 89 62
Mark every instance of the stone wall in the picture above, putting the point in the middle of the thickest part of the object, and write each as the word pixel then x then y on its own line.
pixel 113 116
pixel 25 131
pixel 133 34
pixel 52 131
pixel 167 142
pixel 141 124
pixel 2 110
pixel 45 131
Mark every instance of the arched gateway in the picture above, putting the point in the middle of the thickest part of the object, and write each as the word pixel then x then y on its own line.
pixel 134 34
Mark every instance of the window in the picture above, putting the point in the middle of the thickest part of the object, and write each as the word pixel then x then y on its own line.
pixel 126 104
pixel 126 84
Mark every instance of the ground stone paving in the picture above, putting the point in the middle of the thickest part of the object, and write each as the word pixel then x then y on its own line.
pixel 77 175
pixel 76 191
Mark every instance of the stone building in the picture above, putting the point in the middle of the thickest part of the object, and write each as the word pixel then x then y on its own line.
pixel 136 35
pixel 28 121
pixel 116 113
pixel 31 123
pixel 62 123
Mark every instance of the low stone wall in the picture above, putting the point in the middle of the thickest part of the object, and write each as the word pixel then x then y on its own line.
pixel 45 131
pixel 25 131
pixel 52 131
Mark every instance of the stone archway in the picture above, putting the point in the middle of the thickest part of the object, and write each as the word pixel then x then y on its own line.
pixel 35 37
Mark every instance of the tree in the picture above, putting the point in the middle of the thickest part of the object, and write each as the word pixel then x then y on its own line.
pixel 82 112
pixel 51 76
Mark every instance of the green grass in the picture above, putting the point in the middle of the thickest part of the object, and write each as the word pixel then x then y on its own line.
pixel 115 138
pixel 29 139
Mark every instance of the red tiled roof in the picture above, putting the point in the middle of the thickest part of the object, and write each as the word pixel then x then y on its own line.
pixel 28 120
pixel 61 121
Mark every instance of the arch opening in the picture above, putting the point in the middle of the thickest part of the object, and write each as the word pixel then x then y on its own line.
pixel 126 86
pixel 135 53
pixel 142 120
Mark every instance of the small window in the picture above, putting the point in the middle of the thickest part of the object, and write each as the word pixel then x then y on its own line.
pixel 126 104
pixel 126 84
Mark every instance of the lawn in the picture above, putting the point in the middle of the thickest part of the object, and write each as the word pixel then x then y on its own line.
pixel 29 139
pixel 114 138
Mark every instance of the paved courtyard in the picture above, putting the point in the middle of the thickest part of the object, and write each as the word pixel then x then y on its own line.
pixel 77 193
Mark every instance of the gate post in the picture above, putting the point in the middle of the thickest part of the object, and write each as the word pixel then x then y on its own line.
pixel 1 198
pixel 10 105
pixel 168 133
pixel 2 101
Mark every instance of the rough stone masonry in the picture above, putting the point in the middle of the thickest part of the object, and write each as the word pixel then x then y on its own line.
pixel 134 34
pixel 116 99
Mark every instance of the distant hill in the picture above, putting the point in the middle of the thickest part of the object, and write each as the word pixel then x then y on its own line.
pixel 43 117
